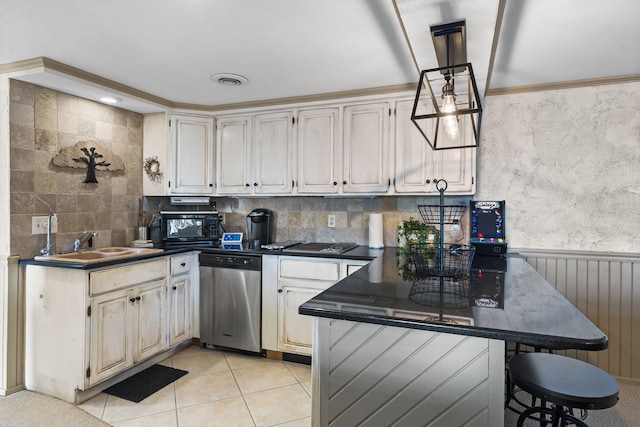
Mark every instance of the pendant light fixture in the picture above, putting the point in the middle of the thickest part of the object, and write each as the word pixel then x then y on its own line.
pixel 447 109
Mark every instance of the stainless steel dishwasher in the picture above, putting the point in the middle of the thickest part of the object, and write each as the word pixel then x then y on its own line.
pixel 230 301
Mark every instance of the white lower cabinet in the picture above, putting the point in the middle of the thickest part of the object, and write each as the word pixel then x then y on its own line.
pixel 179 299
pixel 288 282
pixel 126 327
pixel 86 326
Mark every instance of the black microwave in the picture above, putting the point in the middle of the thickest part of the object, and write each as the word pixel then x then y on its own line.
pixel 190 228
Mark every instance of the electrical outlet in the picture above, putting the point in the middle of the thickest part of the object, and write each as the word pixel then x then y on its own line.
pixel 332 221
pixel 39 225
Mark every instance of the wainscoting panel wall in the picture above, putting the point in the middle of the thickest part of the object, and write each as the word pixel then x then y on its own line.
pixel 376 375
pixel 606 288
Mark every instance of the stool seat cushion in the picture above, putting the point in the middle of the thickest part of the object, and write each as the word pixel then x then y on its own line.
pixel 564 381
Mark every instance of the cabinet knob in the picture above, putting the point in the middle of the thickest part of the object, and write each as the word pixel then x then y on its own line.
pixel 335 183
pixel 344 182
pixel 428 181
pixel 174 287
pixel 137 298
pixel 132 300
pixel 183 264
pixel 247 184
pixel 255 184
pixel 279 291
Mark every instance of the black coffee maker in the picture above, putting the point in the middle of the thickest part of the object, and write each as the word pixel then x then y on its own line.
pixel 260 227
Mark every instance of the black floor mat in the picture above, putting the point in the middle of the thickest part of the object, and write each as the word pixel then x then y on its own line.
pixel 145 383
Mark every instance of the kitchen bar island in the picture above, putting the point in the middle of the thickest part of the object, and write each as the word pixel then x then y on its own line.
pixel 393 350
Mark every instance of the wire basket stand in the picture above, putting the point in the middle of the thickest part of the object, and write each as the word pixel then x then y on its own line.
pixel 444 261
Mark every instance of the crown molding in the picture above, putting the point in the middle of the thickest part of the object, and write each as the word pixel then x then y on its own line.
pixel 43 64
pixel 564 85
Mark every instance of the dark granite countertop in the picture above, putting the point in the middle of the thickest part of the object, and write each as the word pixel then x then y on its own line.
pixel 505 299
pixel 107 262
pixel 360 252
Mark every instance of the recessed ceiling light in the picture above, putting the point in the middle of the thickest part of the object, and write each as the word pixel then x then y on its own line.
pixel 110 99
pixel 228 79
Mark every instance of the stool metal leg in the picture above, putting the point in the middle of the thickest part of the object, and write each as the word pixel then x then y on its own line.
pixel 559 417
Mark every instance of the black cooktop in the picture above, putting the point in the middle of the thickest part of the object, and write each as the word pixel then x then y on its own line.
pixel 316 247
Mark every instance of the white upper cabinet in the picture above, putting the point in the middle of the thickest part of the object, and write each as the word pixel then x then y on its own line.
pixel 319 151
pixel 233 143
pixel 418 167
pixel 366 145
pixel 414 156
pixel 255 154
pixel 333 149
pixel 273 153
pixel 192 155
pixel 155 137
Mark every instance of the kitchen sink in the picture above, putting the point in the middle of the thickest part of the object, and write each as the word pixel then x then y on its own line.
pixel 98 255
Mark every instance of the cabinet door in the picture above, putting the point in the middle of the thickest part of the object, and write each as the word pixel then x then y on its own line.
pixel 319 151
pixel 149 333
pixel 233 137
pixel 457 167
pixel 191 155
pixel 300 279
pixel 366 145
pixel 179 313
pixel 111 337
pixel 273 153
pixel 295 331
pixel 414 171
pixel 418 167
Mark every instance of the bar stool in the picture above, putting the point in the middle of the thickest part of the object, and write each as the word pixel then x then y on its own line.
pixel 564 382
pixel 511 390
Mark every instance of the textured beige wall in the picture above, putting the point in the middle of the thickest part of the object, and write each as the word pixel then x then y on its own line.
pixel 44 121
pixel 567 162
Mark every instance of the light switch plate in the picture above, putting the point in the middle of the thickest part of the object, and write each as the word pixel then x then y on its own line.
pixel 332 221
pixel 39 225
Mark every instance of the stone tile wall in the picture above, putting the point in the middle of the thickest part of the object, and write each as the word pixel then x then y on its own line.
pixel 305 218
pixel 43 122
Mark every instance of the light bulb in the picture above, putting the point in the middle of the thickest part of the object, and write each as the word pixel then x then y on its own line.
pixel 450 122
pixel 449 106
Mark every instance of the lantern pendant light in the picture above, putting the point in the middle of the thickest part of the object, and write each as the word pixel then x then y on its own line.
pixel 451 118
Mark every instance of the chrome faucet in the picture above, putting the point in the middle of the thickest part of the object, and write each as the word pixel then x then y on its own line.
pixel 49 249
pixel 85 237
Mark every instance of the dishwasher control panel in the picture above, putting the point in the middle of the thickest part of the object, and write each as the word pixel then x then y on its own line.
pixel 231 261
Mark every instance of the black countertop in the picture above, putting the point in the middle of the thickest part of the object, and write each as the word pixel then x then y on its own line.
pixel 505 300
pixel 106 262
pixel 360 252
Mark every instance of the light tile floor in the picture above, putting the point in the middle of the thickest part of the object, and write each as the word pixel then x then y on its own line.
pixel 221 389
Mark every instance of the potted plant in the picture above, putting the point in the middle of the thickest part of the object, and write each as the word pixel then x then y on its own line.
pixel 411 232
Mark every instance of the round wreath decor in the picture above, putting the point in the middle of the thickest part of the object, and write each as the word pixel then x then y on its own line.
pixel 152 168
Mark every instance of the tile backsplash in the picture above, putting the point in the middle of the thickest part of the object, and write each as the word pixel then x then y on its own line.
pixel 306 218
pixel 43 122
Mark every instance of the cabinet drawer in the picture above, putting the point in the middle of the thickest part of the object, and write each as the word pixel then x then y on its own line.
pixel 180 264
pixel 120 277
pixel 308 269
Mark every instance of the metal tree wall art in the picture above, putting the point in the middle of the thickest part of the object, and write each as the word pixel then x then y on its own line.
pixel 90 155
pixel 90 161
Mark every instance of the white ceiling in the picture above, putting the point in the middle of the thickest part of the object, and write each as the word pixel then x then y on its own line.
pixel 161 53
